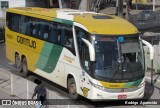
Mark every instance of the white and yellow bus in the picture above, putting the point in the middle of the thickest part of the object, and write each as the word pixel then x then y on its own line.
pixel 94 55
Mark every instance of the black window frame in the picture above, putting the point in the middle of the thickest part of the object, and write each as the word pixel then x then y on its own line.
pixel 82 48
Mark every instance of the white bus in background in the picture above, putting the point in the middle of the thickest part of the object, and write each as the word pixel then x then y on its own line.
pixel 154 39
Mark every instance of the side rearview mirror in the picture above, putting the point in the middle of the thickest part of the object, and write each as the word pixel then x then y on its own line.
pixel 151 49
pixel 91 49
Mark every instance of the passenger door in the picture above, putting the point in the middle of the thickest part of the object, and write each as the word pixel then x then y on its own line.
pixel 84 61
pixel 84 80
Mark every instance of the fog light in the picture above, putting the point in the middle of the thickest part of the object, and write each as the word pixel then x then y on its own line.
pixel 142 84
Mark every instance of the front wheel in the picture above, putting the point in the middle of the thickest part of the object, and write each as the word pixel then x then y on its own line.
pixel 24 67
pixel 72 89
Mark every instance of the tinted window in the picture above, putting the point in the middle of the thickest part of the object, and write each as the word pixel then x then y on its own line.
pixel 13 21
pixel 83 48
pixel 65 36
pixel 53 32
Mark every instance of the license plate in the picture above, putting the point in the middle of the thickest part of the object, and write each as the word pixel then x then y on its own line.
pixel 122 96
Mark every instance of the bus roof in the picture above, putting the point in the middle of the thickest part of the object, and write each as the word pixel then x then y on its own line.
pixel 95 23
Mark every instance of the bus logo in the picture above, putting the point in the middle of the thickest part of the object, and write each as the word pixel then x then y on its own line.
pixel 85 91
pixel 69 59
pixel 26 42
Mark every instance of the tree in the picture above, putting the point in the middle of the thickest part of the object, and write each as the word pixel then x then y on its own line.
pixel 127 9
pixel 120 8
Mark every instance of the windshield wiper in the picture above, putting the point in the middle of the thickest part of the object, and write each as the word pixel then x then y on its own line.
pixel 118 67
pixel 131 71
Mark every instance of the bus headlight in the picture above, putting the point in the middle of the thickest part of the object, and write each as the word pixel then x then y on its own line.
pixel 141 85
pixel 96 85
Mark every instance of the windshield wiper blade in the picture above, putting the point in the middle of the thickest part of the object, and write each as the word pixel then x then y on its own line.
pixel 116 71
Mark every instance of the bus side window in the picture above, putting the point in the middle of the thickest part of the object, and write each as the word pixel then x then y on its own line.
pixel 14 22
pixel 29 24
pixel 41 31
pixel 21 24
pixel 46 32
pixel 66 37
pixel 37 29
pixel 24 25
pixel 9 20
pixel 62 35
pixel 53 34
pixel 32 29
pixel 69 42
pixel 69 38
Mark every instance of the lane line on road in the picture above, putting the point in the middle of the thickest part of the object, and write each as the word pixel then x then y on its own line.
pixel 6 85
pixel 5 67
pixel 4 81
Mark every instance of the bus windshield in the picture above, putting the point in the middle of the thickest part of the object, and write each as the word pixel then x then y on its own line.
pixel 118 60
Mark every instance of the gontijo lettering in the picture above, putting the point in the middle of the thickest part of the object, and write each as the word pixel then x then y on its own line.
pixel 26 42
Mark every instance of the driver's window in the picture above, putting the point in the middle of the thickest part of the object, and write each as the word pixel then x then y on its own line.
pixel 85 61
pixel 83 48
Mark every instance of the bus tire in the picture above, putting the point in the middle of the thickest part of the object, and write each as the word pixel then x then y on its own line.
pixel 18 63
pixel 72 88
pixel 24 67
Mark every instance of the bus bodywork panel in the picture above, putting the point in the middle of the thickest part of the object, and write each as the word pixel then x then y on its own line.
pixel 97 90
pixel 46 59
pixel 107 25
pixel 135 94
pixel 96 23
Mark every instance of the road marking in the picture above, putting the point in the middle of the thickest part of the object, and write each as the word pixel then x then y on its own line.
pixel 5 70
pixel 150 79
pixel 6 85
pixel 4 81
pixel 5 67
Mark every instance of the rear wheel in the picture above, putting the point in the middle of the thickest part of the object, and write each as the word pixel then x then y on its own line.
pixel 25 67
pixel 72 89
pixel 18 63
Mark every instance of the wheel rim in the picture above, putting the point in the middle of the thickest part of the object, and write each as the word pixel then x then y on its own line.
pixel 24 67
pixel 73 88
pixel 17 62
